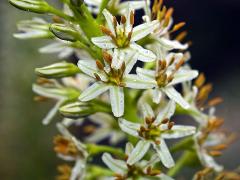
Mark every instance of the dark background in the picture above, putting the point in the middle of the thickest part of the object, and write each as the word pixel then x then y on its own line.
pixel 26 145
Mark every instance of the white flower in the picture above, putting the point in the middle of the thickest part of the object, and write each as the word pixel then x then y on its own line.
pixel 54 90
pixel 107 128
pixel 35 28
pixel 168 74
pixel 153 132
pixel 116 5
pixel 108 78
pixel 141 170
pixel 122 37
pixel 78 152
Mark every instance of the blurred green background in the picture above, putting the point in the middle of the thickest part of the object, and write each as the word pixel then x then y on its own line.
pixel 26 145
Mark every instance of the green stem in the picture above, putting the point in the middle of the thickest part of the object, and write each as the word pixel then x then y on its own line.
pixel 102 7
pixel 95 149
pixel 182 161
pixel 184 144
pixel 61 14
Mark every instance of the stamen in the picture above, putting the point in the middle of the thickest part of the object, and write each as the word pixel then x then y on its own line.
pixel 123 19
pixel 200 80
pixel 215 153
pixel 132 18
pixel 178 26
pixel 215 101
pixel 97 77
pixel 100 66
pixel 180 37
pixel 107 57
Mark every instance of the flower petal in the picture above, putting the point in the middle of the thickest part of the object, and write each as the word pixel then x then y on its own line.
pixel 138 152
pixel 129 148
pixel 166 112
pixel 182 76
pixel 117 100
pixel 136 82
pixel 130 60
pixel 176 96
pixel 143 30
pixel 118 59
pixel 93 91
pixel 146 73
pixel 78 170
pixel 179 131
pixel 117 166
pixel 171 44
pixel 104 42
pixel 147 111
pixel 129 127
pixel 164 154
pixel 109 18
pixel 89 67
pixel 157 95
pixel 143 54
pixel 135 4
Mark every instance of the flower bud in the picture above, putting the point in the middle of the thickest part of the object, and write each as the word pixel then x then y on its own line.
pixel 76 110
pixel 58 70
pixel 64 32
pixel 37 6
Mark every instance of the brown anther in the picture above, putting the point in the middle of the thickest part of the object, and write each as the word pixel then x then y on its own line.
pixel 181 36
pixel 126 157
pixel 219 147
pixel 115 21
pixel 44 81
pixel 157 142
pixel 142 129
pixel 215 153
pixel 97 77
pixel 217 122
pixel 169 13
pixel 122 84
pixel 149 170
pixel 123 67
pixel 132 18
pixel 123 19
pixel 215 101
pixel 171 61
pixel 106 31
pixel 170 125
pixel 129 35
pixel 199 82
pixel 107 57
pixel 170 78
pixel 162 64
pixel 89 129
pixel 179 64
pixel 148 120
pixel 57 19
pixel 178 26
pixel 165 121
pixel 40 98
pixel 100 66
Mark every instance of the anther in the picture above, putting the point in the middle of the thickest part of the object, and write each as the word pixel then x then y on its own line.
pixel 123 19
pixel 178 26
pixel 97 77
pixel 170 125
pixel 99 65
pixel 132 18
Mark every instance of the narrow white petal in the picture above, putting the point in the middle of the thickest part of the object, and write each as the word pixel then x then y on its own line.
pixel 129 148
pixel 146 73
pixel 109 18
pixel 138 152
pixel 136 5
pixel 179 131
pixel 166 112
pixel 117 100
pixel 116 166
pixel 31 34
pixel 89 67
pixel 93 2
pixel 164 154
pixel 135 82
pixel 104 42
pixel 129 127
pixel 78 169
pixel 209 161
pixel 143 30
pixel 143 54
pixel 170 45
pixel 130 60
pixel 52 48
pixel 117 60
pixel 52 113
pixel 157 95
pixel 98 135
pixel 183 75
pixel 147 111
pixel 93 91
pixel 176 96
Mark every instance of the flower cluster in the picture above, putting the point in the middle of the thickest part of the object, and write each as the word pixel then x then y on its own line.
pixel 125 87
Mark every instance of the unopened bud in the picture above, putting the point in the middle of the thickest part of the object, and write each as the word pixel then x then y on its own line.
pixel 37 6
pixel 58 70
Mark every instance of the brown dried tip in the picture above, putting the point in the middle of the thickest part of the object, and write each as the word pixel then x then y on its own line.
pixel 200 80
pixel 132 18
pixel 99 65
